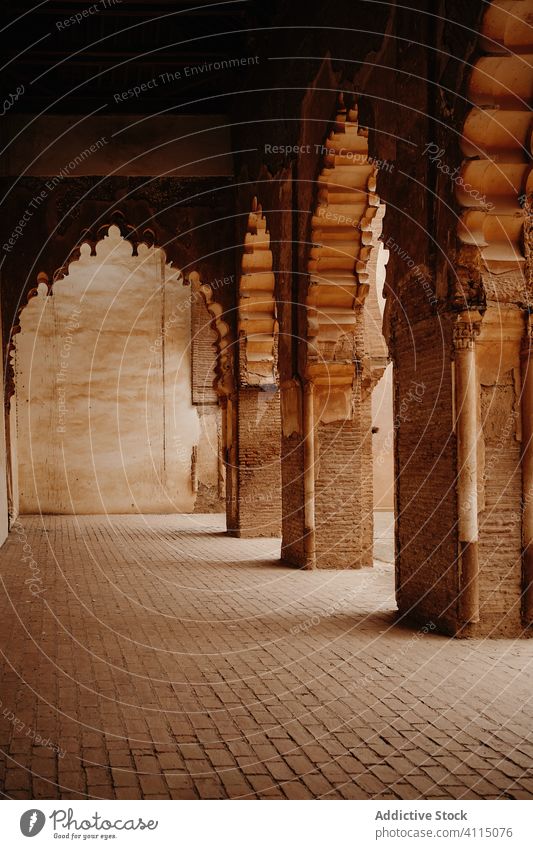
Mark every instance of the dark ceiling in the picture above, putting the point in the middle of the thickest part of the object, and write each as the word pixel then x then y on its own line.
pixel 88 64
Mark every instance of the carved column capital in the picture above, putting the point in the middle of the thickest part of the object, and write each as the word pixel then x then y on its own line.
pixel 466 331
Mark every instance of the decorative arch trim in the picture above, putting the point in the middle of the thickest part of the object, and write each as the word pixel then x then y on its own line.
pixel 127 231
pixel 224 384
pixel 257 320
pixel 496 175
pixel 147 236
pixel 346 226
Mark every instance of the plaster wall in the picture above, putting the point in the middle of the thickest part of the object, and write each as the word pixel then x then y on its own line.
pixel 105 419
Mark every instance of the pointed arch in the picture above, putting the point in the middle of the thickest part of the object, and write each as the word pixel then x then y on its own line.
pixel 128 233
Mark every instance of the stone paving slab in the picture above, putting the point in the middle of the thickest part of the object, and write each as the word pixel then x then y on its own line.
pixel 155 657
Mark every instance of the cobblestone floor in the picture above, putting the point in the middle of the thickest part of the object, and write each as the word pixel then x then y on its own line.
pixel 155 657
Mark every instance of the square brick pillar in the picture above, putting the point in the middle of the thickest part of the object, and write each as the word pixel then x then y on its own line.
pixel 294 539
pixel 337 533
pixel 427 565
pixel 255 509
pixel 338 496
pixel 461 433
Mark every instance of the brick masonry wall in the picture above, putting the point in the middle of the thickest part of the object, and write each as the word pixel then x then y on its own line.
pixel 292 465
pixel 428 571
pixel 338 494
pixel 209 487
pixel 230 417
pixel 203 353
pixel 259 468
pixel 367 481
pixel 343 493
pixel 209 472
pixel 425 463
pixel 499 514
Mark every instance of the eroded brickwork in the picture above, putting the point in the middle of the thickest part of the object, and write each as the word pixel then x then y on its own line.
pixel 426 542
pixel 338 509
pixel 210 477
pixel 258 512
pixel 499 518
pixel 203 352
pixel 293 524
pixel 367 481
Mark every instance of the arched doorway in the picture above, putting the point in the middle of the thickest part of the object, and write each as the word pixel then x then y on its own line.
pixel 115 366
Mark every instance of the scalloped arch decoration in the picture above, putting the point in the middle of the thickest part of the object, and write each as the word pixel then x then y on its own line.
pixel 496 175
pixel 127 233
pixel 224 382
pixel 257 321
pixel 346 227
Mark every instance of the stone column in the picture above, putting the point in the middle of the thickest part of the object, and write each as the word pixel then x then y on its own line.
pixel 527 474
pixel 466 402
